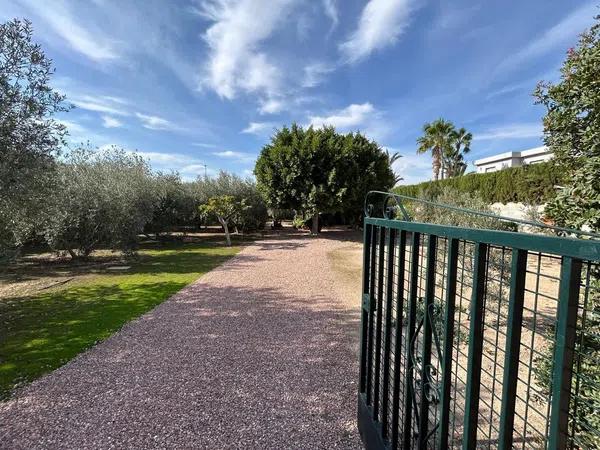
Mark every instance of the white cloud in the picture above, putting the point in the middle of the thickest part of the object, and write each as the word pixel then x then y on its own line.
pixel 187 166
pixel 349 117
pixel 203 145
pixel 61 22
pixel 101 104
pixel 72 127
pixel 513 131
pixel 562 34
pixel 111 122
pixel 271 106
pixel 79 133
pixel 235 61
pixel 356 117
pixel 155 122
pixel 411 167
pixel 315 73
pixel 258 127
pixel 331 11
pixel 241 157
pixel 381 24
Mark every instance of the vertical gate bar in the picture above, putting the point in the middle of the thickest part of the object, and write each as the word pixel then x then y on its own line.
pixel 452 270
pixel 427 332
pixel 513 346
pixel 398 337
pixel 475 348
pixel 389 292
pixel 410 332
pixel 374 231
pixel 378 331
pixel 568 301
pixel 365 306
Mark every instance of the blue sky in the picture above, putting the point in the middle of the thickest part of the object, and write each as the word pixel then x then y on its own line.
pixel 188 83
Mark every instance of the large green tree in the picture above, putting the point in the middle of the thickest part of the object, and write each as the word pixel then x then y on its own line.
pixel 299 170
pixel 320 170
pixel 365 166
pixel 572 132
pixel 436 139
pixel 30 137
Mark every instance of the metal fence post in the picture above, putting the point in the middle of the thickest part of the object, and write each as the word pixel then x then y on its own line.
pixel 568 299
pixel 513 344
pixel 448 342
pixel 475 348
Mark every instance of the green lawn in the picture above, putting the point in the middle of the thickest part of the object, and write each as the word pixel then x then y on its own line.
pixel 41 332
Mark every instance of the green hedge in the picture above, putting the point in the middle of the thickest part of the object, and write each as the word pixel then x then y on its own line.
pixel 527 184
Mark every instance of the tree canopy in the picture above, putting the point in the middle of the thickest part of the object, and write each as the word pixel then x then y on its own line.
pixel 572 132
pixel 30 137
pixel 447 146
pixel 319 170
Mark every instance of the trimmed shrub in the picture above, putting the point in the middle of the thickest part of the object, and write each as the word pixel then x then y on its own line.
pixel 531 184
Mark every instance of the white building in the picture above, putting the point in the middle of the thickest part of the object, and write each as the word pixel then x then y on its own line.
pixel 513 159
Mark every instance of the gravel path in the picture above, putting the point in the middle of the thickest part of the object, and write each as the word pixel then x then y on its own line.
pixel 259 353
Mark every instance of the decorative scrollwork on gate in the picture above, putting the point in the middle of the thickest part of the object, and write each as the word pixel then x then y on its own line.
pixel 426 376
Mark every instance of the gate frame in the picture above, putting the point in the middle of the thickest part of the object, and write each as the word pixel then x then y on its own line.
pixel 373 425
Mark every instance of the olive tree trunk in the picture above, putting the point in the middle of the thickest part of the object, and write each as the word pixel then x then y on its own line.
pixel 226 229
pixel 315 223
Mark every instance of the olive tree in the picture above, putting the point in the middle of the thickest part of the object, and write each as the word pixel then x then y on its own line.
pixel 253 216
pixel 105 199
pixel 176 205
pixel 30 137
pixel 225 208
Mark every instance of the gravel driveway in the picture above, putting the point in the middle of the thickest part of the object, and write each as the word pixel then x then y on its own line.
pixel 259 353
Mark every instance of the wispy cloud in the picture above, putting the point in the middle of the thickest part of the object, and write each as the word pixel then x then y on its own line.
pixel 271 106
pixel 513 131
pixel 330 8
pixel 79 134
pixel 235 61
pixel 239 156
pixel 101 104
pixel 92 43
pixel 380 25
pixel 111 122
pixel 187 166
pixel 155 122
pixel 259 128
pixel 315 73
pixel 563 34
pixel 203 145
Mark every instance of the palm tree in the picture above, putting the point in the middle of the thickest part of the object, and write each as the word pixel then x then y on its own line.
pixel 453 158
pixel 437 140
pixel 392 158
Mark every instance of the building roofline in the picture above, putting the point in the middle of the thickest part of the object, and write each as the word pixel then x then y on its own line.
pixel 509 155
pixel 498 157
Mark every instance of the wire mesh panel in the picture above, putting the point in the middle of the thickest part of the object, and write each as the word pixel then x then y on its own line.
pixel 478 339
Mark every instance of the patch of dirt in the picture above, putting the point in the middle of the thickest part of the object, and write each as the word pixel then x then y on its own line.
pixel 346 263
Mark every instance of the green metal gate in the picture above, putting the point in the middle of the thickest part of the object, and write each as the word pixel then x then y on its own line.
pixel 476 338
